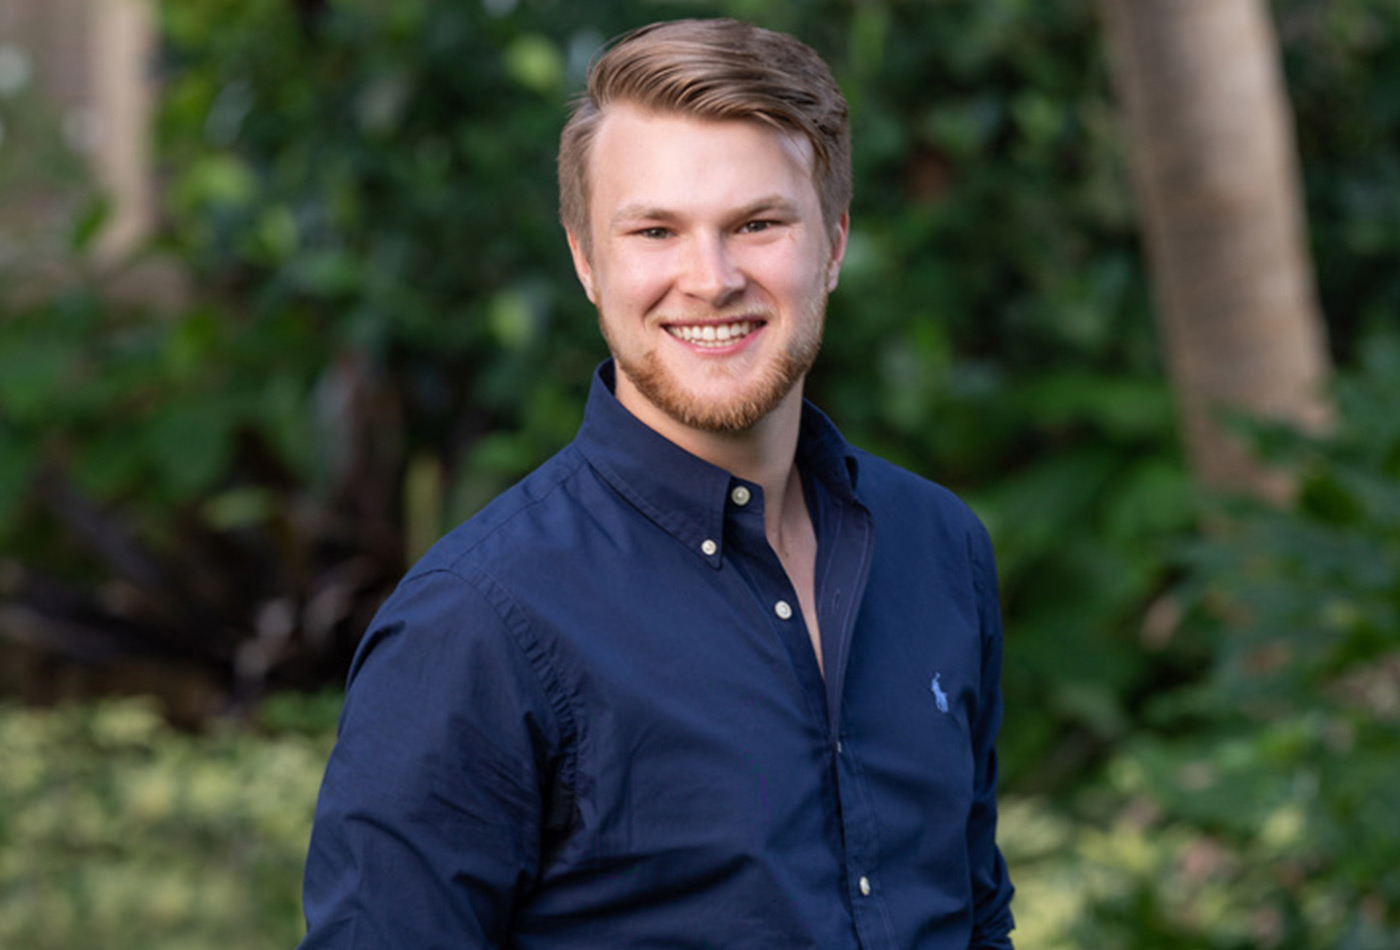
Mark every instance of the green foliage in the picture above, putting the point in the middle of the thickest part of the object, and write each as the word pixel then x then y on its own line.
pixel 386 171
pixel 1341 57
pixel 1273 778
pixel 153 405
pixel 117 831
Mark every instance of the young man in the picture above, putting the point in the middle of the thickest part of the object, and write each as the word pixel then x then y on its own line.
pixel 710 677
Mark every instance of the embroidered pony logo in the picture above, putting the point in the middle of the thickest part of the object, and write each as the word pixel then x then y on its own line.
pixel 940 697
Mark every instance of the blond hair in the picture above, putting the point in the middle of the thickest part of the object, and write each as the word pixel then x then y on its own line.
pixel 719 69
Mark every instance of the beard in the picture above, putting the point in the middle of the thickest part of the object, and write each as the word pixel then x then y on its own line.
pixel 743 410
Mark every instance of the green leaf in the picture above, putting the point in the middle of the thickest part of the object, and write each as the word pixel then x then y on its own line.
pixel 88 224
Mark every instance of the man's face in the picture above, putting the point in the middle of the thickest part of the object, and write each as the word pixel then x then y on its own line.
pixel 709 264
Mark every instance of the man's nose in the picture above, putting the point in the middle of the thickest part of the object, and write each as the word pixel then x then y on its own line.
pixel 710 272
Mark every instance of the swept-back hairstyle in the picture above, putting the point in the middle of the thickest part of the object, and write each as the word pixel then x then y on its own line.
pixel 712 69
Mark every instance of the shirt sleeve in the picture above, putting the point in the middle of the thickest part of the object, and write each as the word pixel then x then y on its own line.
pixel 432 810
pixel 991 883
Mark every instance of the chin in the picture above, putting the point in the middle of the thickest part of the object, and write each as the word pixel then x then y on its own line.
pixel 719 412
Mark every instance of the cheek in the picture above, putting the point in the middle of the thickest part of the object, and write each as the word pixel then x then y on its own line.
pixel 635 281
pixel 797 263
pixel 798 277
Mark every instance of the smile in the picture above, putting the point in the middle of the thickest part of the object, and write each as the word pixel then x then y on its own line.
pixel 713 334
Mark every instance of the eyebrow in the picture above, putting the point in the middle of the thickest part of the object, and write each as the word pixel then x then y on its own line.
pixel 641 212
pixel 645 212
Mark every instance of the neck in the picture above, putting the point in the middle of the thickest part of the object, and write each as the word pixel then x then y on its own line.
pixel 764 454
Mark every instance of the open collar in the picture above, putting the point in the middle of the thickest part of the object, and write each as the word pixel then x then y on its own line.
pixel 682 493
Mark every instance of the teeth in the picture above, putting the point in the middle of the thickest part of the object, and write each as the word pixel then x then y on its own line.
pixel 712 334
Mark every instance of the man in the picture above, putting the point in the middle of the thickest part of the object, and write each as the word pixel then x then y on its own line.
pixel 710 677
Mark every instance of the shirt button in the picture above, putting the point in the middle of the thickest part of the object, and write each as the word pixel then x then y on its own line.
pixel 709 547
pixel 864 886
pixel 783 609
pixel 740 495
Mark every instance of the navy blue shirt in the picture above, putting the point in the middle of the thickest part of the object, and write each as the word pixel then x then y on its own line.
pixel 592 716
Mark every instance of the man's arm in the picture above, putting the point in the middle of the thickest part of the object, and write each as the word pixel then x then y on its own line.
pixel 991 884
pixel 429 819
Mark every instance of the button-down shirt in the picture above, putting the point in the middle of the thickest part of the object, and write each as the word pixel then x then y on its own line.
pixel 592 717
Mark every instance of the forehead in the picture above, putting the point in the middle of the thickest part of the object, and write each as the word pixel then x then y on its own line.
pixel 638 152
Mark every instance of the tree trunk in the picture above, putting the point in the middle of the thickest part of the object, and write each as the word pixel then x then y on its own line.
pixel 1211 139
pixel 93 61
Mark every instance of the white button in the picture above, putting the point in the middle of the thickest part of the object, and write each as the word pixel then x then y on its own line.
pixel 864 886
pixel 740 495
pixel 839 747
pixel 783 609
pixel 709 547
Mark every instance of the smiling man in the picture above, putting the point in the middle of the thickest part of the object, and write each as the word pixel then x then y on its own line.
pixel 710 677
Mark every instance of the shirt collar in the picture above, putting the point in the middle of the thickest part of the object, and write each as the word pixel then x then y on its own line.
pixel 682 493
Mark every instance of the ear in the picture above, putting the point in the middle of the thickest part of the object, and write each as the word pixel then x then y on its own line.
pixel 582 267
pixel 838 250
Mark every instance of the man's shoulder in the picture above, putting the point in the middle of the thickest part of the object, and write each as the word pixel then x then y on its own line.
pixel 450 609
pixel 514 524
pixel 884 485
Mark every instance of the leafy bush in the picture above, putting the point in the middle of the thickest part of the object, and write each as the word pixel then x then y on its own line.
pixel 116 831
pixel 1268 788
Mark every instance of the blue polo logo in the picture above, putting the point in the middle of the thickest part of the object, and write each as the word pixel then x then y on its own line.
pixel 940 697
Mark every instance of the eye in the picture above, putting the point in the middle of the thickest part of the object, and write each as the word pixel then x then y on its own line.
pixel 755 227
pixel 653 233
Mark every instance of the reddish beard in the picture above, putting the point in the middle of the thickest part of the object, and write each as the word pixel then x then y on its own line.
pixel 740 413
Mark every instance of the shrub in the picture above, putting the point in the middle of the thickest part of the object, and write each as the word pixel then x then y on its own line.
pixel 1268 788
pixel 117 831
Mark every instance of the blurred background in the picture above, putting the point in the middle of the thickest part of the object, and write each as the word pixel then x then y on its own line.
pixel 283 297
